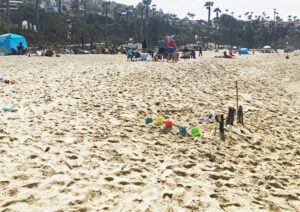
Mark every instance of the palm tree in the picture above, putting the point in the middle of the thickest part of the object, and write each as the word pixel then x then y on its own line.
pixel 259 17
pixel 116 10
pixel 153 9
pixel 140 9
pixel 208 6
pixel 264 15
pixel 147 3
pixel 135 12
pixel 295 18
pixel 86 6
pixel 191 15
pixel 217 11
pixel 226 11
pixel 75 5
pixel 129 9
pixel 105 7
pixel 274 14
pixel 37 13
pixel 246 15
pixel 278 17
pixel 290 17
pixel 240 16
pixel 2 15
pixel 8 16
pixel 59 6
pixel 232 14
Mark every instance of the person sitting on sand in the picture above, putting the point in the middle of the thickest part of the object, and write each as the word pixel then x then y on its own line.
pixel 137 54
pixel 225 55
pixel 130 54
pixel 155 55
pixel 21 49
pixel 13 51
pixel 49 53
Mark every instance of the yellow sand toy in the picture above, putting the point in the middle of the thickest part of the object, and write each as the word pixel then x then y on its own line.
pixel 159 121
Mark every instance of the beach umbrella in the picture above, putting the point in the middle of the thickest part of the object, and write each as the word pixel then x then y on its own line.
pixel 267 47
pixel 244 51
pixel 11 41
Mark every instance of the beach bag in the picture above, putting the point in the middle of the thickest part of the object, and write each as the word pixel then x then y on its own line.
pixel 144 56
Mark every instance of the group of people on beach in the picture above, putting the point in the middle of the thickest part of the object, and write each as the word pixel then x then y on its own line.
pixel 20 50
pixel 166 51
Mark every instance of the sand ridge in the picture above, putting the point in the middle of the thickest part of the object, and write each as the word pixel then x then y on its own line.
pixel 88 112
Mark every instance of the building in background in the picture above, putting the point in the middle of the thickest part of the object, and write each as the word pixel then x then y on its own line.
pixel 49 6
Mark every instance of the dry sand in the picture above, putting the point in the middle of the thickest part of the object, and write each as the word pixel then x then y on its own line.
pixel 89 113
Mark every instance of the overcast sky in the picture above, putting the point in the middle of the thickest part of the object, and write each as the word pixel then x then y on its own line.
pixel 239 7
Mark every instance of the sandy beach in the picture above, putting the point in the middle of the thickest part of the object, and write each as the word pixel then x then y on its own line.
pixel 77 139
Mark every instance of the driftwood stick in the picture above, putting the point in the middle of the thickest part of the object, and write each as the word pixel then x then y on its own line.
pixel 230 116
pixel 240 115
pixel 221 124
pixel 237 98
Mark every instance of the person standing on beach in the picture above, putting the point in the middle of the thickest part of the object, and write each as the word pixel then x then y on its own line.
pixel 200 51
pixel 171 49
pixel 161 51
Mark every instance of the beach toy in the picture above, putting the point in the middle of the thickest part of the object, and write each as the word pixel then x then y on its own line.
pixel 149 120
pixel 213 118
pixel 207 119
pixel 196 132
pixel 168 124
pixel 159 121
pixel 9 108
pixel 219 118
pixel 13 82
pixel 1 79
pixel 182 128
pixel 6 81
pixel 216 117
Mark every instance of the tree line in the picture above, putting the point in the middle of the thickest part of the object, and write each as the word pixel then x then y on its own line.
pixel 112 23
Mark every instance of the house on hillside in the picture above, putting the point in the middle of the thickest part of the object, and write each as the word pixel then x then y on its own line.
pixel 49 6
pixel 13 5
pixel 293 24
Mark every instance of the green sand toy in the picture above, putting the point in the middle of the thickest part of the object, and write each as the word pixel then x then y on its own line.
pixel 196 132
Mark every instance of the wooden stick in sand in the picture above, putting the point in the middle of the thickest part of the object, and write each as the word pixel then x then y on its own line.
pixel 237 99
pixel 221 123
pixel 240 115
